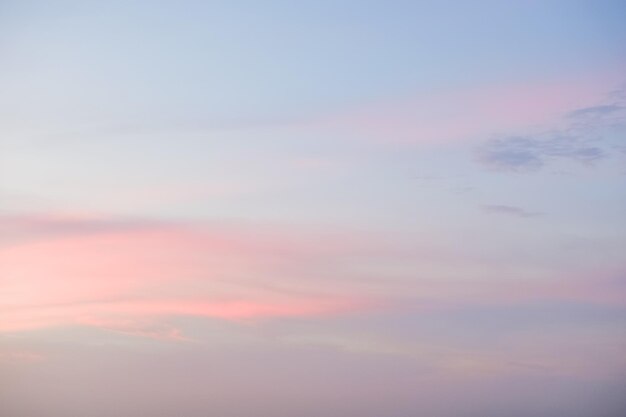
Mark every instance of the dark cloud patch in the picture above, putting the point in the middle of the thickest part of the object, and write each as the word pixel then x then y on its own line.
pixel 509 210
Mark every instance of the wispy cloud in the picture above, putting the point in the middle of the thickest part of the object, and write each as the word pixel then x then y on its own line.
pixel 422 117
pixel 510 210
pixel 98 272
pixel 23 356
pixel 468 114
pixel 528 153
pixel 23 227
pixel 582 138
pixel 596 111
pixel 140 328
pixel 133 280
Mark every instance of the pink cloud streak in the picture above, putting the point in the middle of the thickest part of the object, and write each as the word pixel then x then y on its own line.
pixel 131 279
pixel 472 113
pixel 161 270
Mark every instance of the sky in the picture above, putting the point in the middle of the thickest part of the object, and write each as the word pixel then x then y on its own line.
pixel 316 208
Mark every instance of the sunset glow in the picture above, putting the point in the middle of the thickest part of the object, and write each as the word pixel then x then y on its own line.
pixel 314 208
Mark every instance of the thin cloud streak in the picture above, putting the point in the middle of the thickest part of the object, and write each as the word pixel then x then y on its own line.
pixel 582 139
pixel 153 273
pixel 510 210
pixel 467 115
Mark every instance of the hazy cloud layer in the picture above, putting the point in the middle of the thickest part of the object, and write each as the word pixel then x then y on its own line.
pixel 129 279
pixel 298 208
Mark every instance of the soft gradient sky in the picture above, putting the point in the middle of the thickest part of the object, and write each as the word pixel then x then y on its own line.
pixel 312 208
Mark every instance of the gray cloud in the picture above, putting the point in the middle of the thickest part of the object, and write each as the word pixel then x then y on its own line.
pixel 585 138
pixel 528 153
pixel 601 110
pixel 513 153
pixel 509 210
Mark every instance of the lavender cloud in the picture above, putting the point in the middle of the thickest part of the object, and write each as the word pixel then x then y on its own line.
pixel 601 110
pixel 509 210
pixel 584 138
pixel 528 153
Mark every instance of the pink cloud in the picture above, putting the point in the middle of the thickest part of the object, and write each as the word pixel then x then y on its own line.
pixel 23 356
pixel 132 279
pixel 135 327
pixel 472 113
pixel 90 274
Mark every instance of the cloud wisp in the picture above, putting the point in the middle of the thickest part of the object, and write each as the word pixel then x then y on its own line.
pixel 16 228
pixel 509 210
pixel 584 138
pixel 528 153
pixel 596 111
pixel 59 271
pixel 132 280
pixel 466 114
